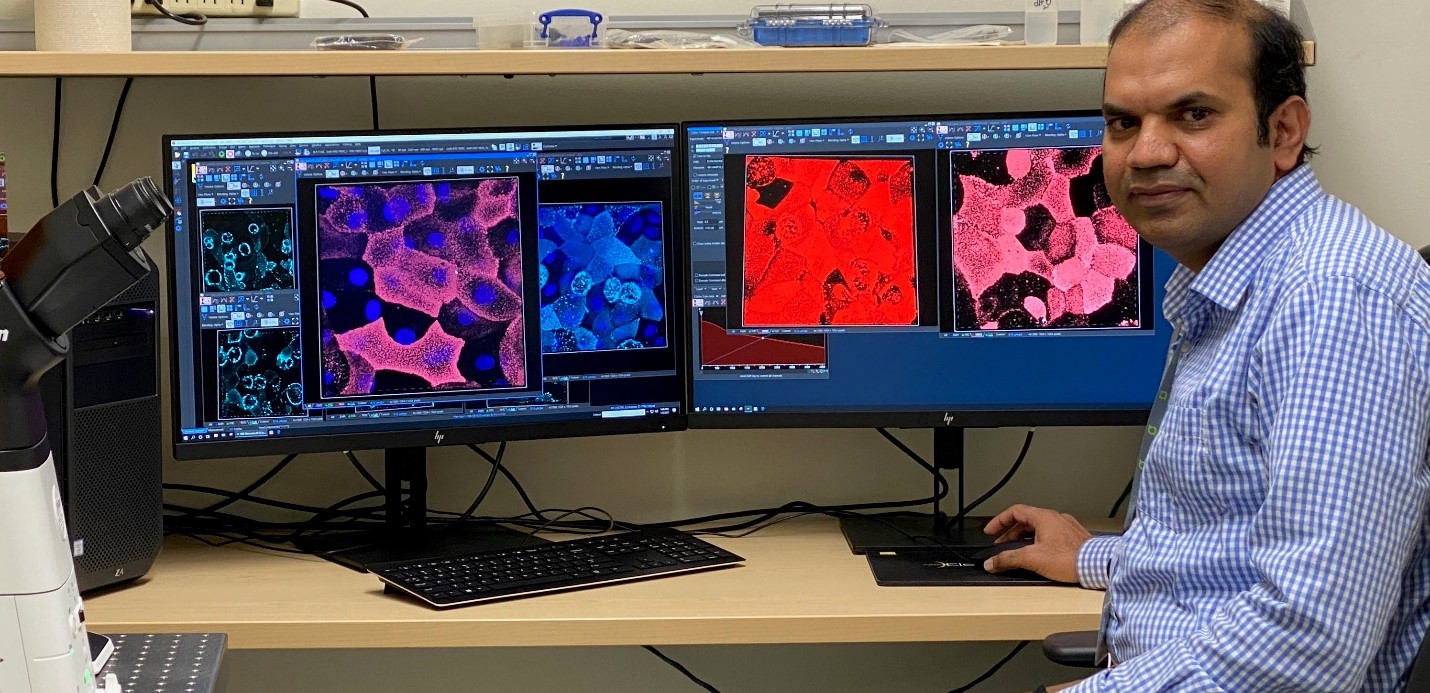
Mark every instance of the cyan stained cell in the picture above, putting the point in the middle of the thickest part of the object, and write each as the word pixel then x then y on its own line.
pixel 611 256
pixel 247 250
pixel 259 374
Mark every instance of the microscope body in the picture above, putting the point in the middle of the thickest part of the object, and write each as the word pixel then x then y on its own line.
pixel 43 646
pixel 75 259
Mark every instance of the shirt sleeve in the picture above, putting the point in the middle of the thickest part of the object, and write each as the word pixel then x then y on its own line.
pixel 1094 561
pixel 1342 399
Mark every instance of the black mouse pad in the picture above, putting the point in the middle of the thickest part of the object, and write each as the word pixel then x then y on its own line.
pixel 940 568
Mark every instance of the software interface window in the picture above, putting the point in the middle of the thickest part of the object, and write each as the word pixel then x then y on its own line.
pixel 905 266
pixel 335 283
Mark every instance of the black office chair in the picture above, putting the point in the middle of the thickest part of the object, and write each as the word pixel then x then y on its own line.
pixel 1079 648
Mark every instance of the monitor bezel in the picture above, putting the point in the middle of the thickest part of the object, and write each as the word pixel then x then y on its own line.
pixel 439 436
pixel 967 417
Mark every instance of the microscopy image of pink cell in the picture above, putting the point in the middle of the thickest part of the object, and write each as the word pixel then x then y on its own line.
pixel 420 286
pixel 1037 243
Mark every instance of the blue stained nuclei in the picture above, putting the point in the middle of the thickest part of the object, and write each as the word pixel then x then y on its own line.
pixel 357 276
pixel 484 294
pixel 356 220
pixel 485 362
pixel 581 283
pixel 465 317
pixel 373 310
pixel 437 356
pixel 405 336
pixel 328 193
pixel 436 239
pixel 444 191
pixel 439 276
pixel 396 210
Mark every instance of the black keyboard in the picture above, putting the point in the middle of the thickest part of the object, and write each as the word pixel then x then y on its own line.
pixel 558 566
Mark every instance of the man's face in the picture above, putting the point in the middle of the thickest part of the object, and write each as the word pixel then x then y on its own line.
pixel 1180 152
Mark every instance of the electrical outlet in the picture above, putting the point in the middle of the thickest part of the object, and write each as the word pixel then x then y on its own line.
pixel 221 8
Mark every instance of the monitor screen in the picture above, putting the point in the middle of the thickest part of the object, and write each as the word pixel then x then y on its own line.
pixel 916 271
pixel 336 291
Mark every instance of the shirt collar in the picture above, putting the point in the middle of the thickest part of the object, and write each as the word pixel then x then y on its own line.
pixel 1227 276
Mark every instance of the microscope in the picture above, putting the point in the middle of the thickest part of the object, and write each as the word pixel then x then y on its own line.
pixel 76 259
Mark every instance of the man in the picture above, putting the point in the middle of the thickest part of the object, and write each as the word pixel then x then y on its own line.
pixel 1280 535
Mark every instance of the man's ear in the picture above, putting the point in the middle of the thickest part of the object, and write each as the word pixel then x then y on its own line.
pixel 1289 124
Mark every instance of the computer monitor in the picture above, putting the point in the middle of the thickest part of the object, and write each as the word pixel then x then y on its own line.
pixel 399 290
pixel 937 272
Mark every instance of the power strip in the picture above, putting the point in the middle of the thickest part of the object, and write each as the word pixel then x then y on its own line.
pixel 221 8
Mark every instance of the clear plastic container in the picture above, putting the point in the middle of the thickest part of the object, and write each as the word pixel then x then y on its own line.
pixel 1096 20
pixel 1040 22
pixel 571 28
pixel 811 25
pixel 508 31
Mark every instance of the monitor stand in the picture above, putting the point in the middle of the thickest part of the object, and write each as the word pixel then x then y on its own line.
pixel 921 531
pixel 407 535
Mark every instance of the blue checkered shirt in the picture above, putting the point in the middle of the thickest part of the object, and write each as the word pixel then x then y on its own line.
pixel 1281 541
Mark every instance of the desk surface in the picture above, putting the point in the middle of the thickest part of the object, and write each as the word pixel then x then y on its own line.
pixel 800 585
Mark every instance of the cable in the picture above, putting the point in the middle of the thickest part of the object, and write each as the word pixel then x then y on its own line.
pixel 234 497
pixel 940 491
pixel 1022 454
pixel 237 495
pixel 372 79
pixel 353 5
pixel 511 478
pixel 363 471
pixel 113 129
pixel 189 18
pixel 372 94
pixel 491 479
pixel 989 674
pixel 1112 514
pixel 681 668
pixel 55 145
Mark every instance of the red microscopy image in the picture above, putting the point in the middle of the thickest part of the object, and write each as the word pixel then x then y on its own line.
pixel 1038 244
pixel 421 287
pixel 829 241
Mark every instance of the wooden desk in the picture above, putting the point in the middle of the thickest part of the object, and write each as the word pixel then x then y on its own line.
pixel 800 585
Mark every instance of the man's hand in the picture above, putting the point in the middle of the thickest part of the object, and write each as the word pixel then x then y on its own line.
pixel 1057 537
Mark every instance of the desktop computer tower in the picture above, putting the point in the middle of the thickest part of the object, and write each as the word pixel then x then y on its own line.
pixel 102 407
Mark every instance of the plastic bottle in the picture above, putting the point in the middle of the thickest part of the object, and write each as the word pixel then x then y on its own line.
pixel 1040 22
pixel 1097 19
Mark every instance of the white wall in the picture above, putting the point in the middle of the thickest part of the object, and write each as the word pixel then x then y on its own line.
pixel 1369 92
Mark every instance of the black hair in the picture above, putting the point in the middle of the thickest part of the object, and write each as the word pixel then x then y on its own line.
pixel 1278 70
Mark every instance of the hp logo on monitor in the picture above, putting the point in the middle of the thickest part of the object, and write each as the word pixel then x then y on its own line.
pixel 948 419
pixel 4 335
pixel 438 437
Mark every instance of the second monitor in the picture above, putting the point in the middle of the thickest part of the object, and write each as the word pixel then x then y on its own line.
pixel 939 272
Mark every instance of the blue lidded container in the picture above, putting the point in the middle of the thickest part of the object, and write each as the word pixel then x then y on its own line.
pixel 812 25
pixel 572 28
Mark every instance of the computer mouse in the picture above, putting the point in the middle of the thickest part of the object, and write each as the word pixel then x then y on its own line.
pixel 1000 547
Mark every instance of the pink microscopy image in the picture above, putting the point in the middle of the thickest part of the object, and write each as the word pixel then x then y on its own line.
pixel 1038 244
pixel 421 287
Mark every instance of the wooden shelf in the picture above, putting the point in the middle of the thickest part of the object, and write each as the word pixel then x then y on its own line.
pixel 536 62
pixel 800 585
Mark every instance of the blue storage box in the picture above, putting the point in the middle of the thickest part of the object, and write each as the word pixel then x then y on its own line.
pixel 812 25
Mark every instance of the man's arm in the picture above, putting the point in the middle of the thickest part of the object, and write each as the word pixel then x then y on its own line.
pixel 1345 404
